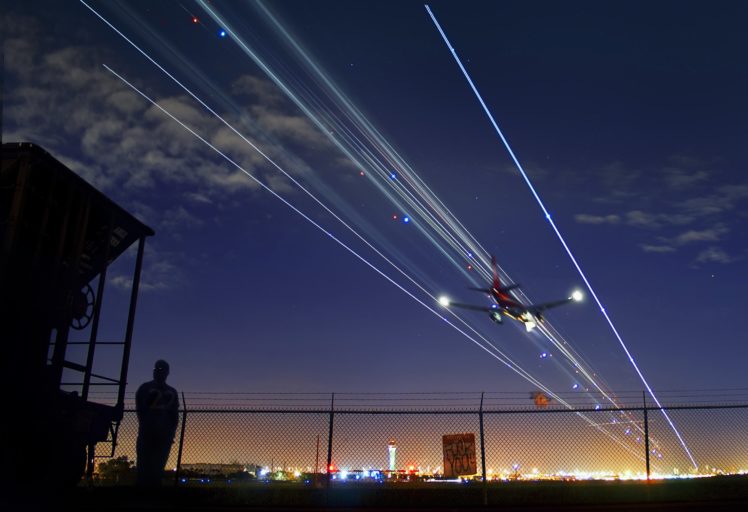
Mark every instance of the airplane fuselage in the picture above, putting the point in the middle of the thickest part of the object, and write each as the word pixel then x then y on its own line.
pixel 507 306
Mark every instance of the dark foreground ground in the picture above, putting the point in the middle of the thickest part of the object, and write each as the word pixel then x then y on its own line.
pixel 717 493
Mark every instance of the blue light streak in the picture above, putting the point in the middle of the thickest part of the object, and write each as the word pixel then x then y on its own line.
pixel 556 230
pixel 384 172
pixel 498 354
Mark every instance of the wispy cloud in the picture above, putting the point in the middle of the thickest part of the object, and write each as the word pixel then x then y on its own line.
pixel 683 202
pixel 714 255
pixel 60 97
pixel 661 249
pixel 704 235
pixel 161 271
pixel 584 218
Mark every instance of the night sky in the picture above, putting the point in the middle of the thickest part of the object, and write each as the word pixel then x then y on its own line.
pixel 630 118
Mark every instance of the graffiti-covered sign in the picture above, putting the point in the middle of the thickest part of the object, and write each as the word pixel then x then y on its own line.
pixel 459 455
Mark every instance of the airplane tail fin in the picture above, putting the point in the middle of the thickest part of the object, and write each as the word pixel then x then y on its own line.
pixel 496 282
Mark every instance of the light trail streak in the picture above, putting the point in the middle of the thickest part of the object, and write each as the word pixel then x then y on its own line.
pixel 556 231
pixel 394 160
pixel 507 362
pixel 369 134
pixel 368 157
pixel 383 170
pixel 510 363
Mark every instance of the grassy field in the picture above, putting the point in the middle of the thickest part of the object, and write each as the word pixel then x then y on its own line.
pixel 717 493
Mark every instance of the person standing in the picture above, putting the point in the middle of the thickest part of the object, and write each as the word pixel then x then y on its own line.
pixel 157 406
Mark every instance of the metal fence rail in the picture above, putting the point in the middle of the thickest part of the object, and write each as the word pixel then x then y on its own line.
pixel 343 442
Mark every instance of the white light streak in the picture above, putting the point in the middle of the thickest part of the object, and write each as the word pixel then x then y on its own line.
pixel 420 201
pixel 498 355
pixel 556 230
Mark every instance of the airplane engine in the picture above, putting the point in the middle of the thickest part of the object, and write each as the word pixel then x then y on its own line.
pixel 496 317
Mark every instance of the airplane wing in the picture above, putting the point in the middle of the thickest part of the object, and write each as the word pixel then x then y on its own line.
pixel 537 308
pixel 486 309
pixel 485 290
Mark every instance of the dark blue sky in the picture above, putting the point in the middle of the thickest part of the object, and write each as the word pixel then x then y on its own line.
pixel 630 119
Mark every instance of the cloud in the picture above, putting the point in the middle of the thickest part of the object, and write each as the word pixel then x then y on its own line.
pixel 197 197
pixel 672 244
pixel 713 255
pixel 733 193
pixel 705 235
pixel 257 89
pixel 584 218
pixel 294 128
pixel 59 96
pixel 680 179
pixel 618 180
pixel 160 271
pixel 179 216
pixel 688 209
pixel 661 249
pixel 279 184
pixel 642 219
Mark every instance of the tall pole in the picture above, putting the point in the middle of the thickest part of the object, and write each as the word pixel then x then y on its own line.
pixel 130 324
pixel 98 300
pixel 329 441
pixel 483 452
pixel 2 88
pixel 181 441
pixel 316 465
pixel 646 430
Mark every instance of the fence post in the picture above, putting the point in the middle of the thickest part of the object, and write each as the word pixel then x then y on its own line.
pixel 316 466
pixel 483 453
pixel 646 430
pixel 329 441
pixel 181 442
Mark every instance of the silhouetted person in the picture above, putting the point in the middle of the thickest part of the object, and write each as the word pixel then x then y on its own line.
pixel 157 405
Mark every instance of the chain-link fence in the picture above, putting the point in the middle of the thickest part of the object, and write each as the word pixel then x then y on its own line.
pixel 387 441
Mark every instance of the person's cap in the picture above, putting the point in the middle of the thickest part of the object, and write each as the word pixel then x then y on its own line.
pixel 161 365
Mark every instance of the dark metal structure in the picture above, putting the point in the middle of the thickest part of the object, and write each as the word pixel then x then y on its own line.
pixel 58 236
